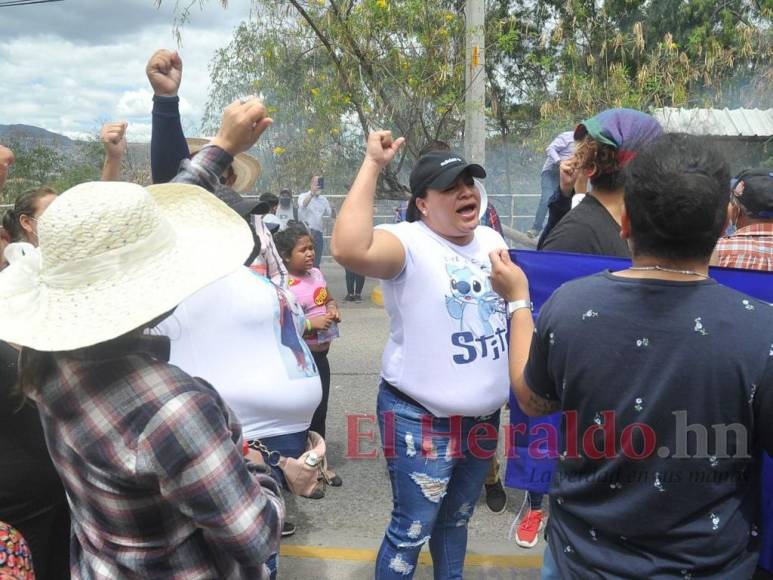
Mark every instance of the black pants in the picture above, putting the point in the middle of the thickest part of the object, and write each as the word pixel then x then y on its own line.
pixel 320 415
pixel 354 283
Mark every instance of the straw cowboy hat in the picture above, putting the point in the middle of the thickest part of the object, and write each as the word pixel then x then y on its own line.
pixel 114 256
pixel 246 168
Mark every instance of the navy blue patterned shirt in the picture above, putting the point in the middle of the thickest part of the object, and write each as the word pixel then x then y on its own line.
pixel 667 393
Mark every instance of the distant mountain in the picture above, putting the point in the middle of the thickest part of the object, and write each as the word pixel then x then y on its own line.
pixel 31 136
pixel 29 133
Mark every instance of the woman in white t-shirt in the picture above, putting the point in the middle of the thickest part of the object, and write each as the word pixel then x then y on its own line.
pixel 243 334
pixel 444 368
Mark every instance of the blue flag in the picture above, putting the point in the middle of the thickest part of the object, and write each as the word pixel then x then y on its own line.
pixel 547 271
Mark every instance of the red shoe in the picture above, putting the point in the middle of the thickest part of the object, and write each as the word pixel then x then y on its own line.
pixel 529 529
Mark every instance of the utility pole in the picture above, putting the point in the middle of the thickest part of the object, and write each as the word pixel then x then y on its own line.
pixel 475 81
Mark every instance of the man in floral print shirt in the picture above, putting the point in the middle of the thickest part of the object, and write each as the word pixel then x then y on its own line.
pixel 665 379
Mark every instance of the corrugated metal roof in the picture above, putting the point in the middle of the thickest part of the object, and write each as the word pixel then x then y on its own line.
pixel 717 122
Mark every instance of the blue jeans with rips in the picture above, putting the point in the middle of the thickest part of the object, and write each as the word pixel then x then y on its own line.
pixel 436 481
pixel 549 182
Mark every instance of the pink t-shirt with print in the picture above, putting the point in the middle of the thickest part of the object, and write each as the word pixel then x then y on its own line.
pixel 311 292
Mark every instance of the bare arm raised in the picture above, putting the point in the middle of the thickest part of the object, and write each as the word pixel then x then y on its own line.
pixel 113 137
pixel 356 245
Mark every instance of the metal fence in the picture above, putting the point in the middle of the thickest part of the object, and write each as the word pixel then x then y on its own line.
pixel 516 211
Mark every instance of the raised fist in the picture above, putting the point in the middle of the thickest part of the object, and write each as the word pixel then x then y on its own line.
pixel 165 72
pixel 113 136
pixel 381 148
pixel 568 174
pixel 243 123
pixel 6 160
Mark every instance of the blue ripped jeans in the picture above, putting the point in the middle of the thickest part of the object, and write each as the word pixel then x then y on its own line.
pixel 434 485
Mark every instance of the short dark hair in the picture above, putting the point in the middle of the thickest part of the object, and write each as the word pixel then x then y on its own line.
pixel 286 239
pixel 676 195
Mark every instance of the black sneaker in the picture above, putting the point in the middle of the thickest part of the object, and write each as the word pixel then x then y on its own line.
pixel 336 481
pixel 496 498
pixel 357 297
pixel 288 529
pixel 349 298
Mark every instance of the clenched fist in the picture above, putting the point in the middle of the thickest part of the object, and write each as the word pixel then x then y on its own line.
pixel 7 159
pixel 165 72
pixel 113 136
pixel 243 123
pixel 381 148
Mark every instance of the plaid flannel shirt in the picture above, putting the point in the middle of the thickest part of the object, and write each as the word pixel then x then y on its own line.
pixel 151 460
pixel 205 168
pixel 750 248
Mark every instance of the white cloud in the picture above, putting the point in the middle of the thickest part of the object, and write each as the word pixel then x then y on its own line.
pixel 71 84
pixel 134 103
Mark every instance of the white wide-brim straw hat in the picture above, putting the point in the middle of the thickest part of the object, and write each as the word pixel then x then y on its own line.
pixel 114 256
pixel 246 168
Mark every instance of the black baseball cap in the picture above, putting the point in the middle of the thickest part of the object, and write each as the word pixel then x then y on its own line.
pixel 437 170
pixel 754 192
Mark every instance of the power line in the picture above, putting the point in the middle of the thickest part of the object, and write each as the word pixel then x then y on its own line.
pixel 25 2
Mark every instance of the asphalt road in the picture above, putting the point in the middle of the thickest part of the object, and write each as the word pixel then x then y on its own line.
pixel 338 535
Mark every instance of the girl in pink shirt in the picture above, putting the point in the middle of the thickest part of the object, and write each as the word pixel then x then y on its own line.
pixel 307 283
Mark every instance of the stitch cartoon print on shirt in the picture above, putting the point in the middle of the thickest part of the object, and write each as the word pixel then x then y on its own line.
pixel 471 295
pixel 479 310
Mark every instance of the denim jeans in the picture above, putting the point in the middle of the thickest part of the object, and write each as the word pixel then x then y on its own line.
pixel 433 492
pixel 549 567
pixel 289 445
pixel 549 182
pixel 319 245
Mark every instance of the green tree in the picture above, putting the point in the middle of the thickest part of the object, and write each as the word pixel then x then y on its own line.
pixel 646 54
pixel 332 71
pixel 40 164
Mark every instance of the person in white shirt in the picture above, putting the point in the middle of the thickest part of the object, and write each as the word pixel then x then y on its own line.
pixel 560 149
pixel 313 207
pixel 286 210
pixel 444 370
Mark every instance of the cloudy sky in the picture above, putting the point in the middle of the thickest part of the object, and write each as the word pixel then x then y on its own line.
pixel 69 66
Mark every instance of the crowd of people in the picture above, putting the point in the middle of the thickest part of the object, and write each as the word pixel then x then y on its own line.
pixel 165 377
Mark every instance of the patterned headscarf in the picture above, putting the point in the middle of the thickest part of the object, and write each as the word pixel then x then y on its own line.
pixel 15 557
pixel 625 130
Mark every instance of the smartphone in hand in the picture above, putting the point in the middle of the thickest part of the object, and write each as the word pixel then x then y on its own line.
pixel 321 182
